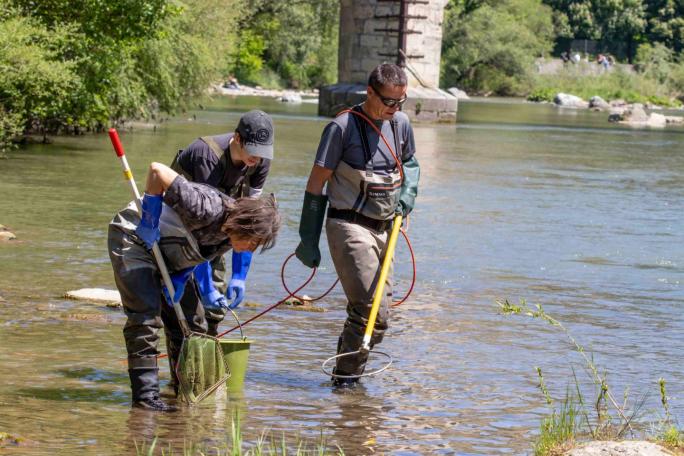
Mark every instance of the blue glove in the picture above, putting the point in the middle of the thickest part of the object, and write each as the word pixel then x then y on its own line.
pixel 241 262
pixel 212 299
pixel 178 280
pixel 148 228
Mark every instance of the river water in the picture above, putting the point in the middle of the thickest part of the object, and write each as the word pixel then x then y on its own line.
pixel 516 202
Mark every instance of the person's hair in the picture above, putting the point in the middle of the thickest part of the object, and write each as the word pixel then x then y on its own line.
pixel 255 218
pixel 387 74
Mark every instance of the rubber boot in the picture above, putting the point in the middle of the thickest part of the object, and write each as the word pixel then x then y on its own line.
pixel 341 383
pixel 145 388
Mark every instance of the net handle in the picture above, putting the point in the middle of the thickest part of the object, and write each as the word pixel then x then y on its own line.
pixel 128 175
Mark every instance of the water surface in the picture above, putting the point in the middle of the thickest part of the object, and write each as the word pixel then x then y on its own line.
pixel 516 201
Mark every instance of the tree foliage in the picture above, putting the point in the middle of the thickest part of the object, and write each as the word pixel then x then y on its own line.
pixel 492 49
pixel 293 42
pixel 82 64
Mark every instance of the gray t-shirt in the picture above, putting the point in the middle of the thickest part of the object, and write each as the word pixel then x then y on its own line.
pixel 341 141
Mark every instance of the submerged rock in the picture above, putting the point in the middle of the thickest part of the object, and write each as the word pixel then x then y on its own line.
pixel 6 234
pixel 291 97
pixel 635 114
pixel 674 119
pixel 625 448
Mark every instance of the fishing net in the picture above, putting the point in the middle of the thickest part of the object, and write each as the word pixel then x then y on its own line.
pixel 201 367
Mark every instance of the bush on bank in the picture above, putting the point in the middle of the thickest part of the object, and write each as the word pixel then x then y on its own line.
pixel 75 65
pixel 658 78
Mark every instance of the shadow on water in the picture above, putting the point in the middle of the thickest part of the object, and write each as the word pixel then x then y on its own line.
pixel 76 394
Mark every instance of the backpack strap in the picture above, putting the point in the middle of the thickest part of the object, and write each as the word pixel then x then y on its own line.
pixel 397 143
pixel 213 145
pixel 361 127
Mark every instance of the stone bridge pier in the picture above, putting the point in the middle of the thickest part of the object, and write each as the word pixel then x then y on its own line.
pixel 406 32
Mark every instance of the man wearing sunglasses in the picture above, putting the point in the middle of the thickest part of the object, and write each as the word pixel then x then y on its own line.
pixel 365 189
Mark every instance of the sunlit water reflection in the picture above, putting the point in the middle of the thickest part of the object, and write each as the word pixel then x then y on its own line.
pixel 516 201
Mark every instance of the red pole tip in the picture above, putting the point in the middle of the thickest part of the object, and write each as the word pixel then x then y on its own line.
pixel 118 148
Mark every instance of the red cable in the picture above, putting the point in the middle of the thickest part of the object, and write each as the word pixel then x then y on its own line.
pixel 293 294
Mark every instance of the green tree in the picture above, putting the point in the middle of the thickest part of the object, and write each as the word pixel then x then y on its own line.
pixel 665 23
pixel 35 81
pixel 617 24
pixel 493 48
pixel 86 63
pixel 295 41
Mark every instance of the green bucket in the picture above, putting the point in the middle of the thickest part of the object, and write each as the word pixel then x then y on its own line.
pixel 236 354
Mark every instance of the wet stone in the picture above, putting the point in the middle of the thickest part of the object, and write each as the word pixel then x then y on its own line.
pixel 6 234
pixel 110 298
pixel 624 448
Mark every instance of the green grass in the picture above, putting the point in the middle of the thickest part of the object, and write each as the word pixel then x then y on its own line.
pixel 603 418
pixel 558 430
pixel 265 445
pixel 617 84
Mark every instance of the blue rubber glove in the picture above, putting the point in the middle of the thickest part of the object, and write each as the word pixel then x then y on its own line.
pixel 178 280
pixel 212 299
pixel 241 262
pixel 148 228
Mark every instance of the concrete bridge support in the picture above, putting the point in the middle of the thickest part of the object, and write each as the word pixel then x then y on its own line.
pixel 407 32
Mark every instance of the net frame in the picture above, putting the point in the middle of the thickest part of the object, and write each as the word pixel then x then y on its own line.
pixel 201 367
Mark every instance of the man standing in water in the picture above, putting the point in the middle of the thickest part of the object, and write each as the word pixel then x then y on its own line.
pixel 365 190
pixel 236 164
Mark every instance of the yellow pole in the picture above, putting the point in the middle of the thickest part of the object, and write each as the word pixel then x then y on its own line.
pixel 380 287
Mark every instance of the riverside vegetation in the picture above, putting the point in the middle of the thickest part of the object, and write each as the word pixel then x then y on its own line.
pixel 600 417
pixel 266 445
pixel 70 66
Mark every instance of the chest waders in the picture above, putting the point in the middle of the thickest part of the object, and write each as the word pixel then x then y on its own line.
pixel 361 195
pixel 201 366
pixel 373 206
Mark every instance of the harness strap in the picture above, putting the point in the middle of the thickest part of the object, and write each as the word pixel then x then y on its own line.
pixel 397 143
pixel 237 190
pixel 367 154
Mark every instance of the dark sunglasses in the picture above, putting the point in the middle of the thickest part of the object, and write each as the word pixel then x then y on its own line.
pixel 390 102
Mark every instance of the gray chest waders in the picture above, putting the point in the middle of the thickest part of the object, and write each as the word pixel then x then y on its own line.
pixel 201 366
pixel 178 247
pixel 365 192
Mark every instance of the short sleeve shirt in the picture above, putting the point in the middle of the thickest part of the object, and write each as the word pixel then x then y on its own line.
pixel 341 141
pixel 204 167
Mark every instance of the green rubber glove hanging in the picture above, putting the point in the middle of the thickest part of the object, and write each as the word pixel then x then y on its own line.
pixel 409 187
pixel 310 227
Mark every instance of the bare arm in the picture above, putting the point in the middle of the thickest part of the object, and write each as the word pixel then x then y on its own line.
pixel 317 179
pixel 159 178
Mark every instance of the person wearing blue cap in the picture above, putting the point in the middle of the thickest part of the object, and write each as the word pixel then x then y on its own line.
pixel 236 164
